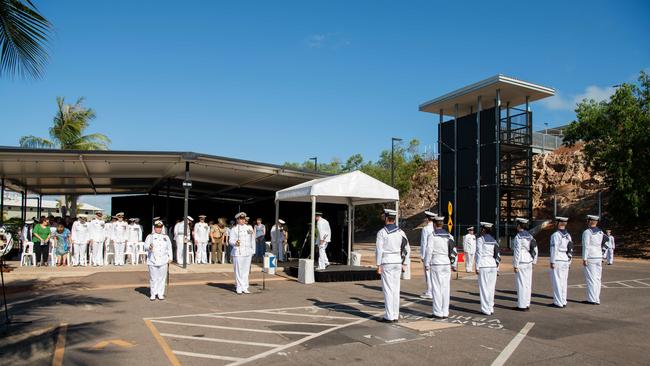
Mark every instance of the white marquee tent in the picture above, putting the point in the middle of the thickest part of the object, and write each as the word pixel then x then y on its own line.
pixel 351 189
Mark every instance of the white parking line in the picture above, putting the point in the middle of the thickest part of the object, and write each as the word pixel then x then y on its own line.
pixel 624 284
pixel 306 315
pixel 269 320
pixel 512 346
pixel 643 283
pixel 231 328
pixel 219 340
pixel 204 355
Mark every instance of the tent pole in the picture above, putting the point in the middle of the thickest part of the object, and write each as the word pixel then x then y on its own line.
pixel 277 225
pixel 397 216
pixel 349 231
pixel 313 227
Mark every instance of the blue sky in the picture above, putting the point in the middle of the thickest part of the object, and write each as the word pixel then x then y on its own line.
pixel 278 81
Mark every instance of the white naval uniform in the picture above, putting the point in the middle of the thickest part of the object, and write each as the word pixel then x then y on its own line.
pixel 97 238
pixel 159 254
pixel 201 237
pixel 440 257
pixel 119 239
pixel 469 248
pixel 324 238
pixel 388 255
pixel 133 237
pixel 424 235
pixel 487 264
pixel 277 241
pixel 80 238
pixel 560 258
pixel 242 254
pixel 609 252
pixel 108 242
pixel 592 253
pixel 523 258
pixel 179 230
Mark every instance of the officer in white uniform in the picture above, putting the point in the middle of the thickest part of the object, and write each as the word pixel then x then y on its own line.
pixel 324 238
pixel 487 264
pixel 392 246
pixel 609 251
pixel 242 241
pixel 109 246
pixel 120 229
pixel 159 255
pixel 97 238
pixel 278 238
pixel 182 239
pixel 560 261
pixel 157 218
pixel 80 236
pixel 201 237
pixel 593 245
pixel 424 235
pixel 440 259
pixel 133 237
pixel 524 256
pixel 469 248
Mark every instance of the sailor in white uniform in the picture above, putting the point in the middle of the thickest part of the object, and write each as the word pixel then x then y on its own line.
pixel 609 251
pixel 278 238
pixel 159 255
pixel 80 235
pixel 524 256
pixel 97 238
pixel 487 264
pixel 109 245
pixel 392 246
pixel 560 261
pixel 424 235
pixel 469 248
pixel 440 259
pixel 242 241
pixel 157 218
pixel 324 238
pixel 593 245
pixel 201 237
pixel 120 229
pixel 133 237
pixel 182 240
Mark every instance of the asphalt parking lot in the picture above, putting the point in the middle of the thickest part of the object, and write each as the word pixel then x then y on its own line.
pixel 107 319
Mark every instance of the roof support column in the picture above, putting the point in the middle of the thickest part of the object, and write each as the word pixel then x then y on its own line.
pixel 187 184
pixel 313 227
pixel 350 209
pixel 40 206
pixel 497 142
pixel 455 233
pixel 478 162
pixel 23 204
pixel 2 201
pixel 440 114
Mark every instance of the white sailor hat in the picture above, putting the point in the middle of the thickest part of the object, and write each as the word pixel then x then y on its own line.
pixel 429 214
pixel 29 222
pixel 158 223
pixel 437 217
pixel 119 214
pixel 318 213
pixel 82 217
pixel 520 220
pixel 202 216
pixel 241 214
pixel 281 221
pixel 390 213
pixel 561 219
pixel 593 217
pixel 156 218
pixel 190 218
pixel 132 219
pixel 470 228
pixel 99 213
pixel 487 225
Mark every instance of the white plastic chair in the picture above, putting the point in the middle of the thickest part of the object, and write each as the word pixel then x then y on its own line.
pixel 190 253
pixel 28 252
pixel 109 252
pixel 52 254
pixel 129 252
pixel 140 253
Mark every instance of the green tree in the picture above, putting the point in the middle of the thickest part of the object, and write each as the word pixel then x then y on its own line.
pixel 67 133
pixel 24 33
pixel 616 136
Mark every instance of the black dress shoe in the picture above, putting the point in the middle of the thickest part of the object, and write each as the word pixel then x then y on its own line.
pixel 395 321
pixel 384 320
pixel 436 317
pixel 590 302
pixel 556 306
pixel 517 308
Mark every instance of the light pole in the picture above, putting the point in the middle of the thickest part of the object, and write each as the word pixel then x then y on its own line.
pixel 392 160
pixel 545 133
pixel 315 159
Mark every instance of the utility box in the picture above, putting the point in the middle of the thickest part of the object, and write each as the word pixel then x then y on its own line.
pixel 306 271
pixel 270 263
pixel 355 258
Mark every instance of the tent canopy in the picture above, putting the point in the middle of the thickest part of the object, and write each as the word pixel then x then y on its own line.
pixel 356 188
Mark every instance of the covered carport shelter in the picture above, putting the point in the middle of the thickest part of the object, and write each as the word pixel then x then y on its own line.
pixel 165 174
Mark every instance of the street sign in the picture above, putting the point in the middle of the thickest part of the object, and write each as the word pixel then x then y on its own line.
pixel 450 210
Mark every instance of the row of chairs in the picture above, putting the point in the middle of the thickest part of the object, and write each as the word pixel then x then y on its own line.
pixel 137 256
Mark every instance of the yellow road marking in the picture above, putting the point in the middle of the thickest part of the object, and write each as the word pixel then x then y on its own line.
pixel 59 346
pixel 117 342
pixel 168 351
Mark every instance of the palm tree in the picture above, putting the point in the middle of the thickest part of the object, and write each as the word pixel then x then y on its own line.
pixel 23 36
pixel 70 122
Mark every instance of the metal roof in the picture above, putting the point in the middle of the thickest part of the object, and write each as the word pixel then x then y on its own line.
pixel 53 172
pixel 512 90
